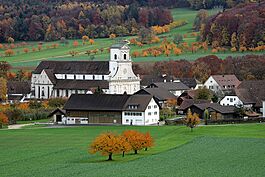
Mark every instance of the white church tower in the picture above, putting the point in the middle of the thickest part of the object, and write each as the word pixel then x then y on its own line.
pixel 122 78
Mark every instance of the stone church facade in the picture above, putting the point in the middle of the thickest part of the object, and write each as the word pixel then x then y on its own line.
pixel 62 78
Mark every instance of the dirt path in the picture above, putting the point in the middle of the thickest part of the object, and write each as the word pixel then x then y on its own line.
pixel 17 126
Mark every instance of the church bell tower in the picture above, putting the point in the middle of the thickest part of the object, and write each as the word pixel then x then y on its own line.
pixel 122 77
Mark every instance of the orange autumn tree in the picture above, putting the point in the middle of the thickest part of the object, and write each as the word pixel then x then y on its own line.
pixel 136 140
pixel 26 50
pixel 148 141
pixel 9 52
pixel 112 36
pixel 125 146
pixel 107 144
pixel 23 106
pixel 75 43
pixel 192 120
pixel 3 119
pixel 91 41
pixel 84 39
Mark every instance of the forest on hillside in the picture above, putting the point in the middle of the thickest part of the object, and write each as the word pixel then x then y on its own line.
pixel 240 27
pixel 30 20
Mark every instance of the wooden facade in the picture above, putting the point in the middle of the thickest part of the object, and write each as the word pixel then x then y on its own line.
pixel 98 117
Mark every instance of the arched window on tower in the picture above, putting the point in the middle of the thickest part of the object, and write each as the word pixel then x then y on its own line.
pixel 115 56
pixel 124 56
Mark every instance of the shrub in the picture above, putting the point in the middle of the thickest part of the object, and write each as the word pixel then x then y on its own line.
pixel 13 115
pixel 35 105
pixel 3 119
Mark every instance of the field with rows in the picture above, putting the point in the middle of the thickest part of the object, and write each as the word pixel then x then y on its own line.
pixel 231 150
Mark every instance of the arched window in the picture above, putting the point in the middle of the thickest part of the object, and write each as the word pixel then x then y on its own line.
pixel 115 56
pixel 124 56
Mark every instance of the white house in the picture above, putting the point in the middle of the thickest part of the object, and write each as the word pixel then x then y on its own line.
pixel 64 78
pixel 140 110
pixel 108 109
pixel 221 83
pixel 231 100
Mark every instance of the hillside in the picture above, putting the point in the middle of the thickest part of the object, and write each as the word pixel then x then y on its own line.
pixel 242 26
pixel 28 54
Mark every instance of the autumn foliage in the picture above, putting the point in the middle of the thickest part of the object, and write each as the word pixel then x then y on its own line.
pixel 3 119
pixel 192 120
pixel 109 143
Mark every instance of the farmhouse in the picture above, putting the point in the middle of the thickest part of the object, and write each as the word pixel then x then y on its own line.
pixel 221 83
pixel 161 95
pixel 18 91
pixel 216 111
pixel 111 109
pixel 63 78
pixel 248 94
pixel 176 88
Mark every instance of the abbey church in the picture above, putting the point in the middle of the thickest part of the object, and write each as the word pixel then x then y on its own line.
pixel 62 78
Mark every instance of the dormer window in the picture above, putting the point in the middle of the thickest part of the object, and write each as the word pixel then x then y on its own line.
pixel 124 56
pixel 133 106
pixel 115 56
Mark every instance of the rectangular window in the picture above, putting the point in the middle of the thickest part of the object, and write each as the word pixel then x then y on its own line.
pixel 231 99
pixel 149 114
pixel 155 113
pixel 155 106
pixel 149 107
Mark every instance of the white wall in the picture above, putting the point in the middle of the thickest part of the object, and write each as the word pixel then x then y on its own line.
pixel 231 101
pixel 43 82
pixel 148 117
pixel 152 113
pixel 119 87
pixel 72 120
pixel 177 92
pixel 137 118
pixel 60 76
pixel 212 85
pixel 263 108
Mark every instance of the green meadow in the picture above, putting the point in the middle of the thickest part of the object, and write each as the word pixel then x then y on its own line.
pixel 231 150
pixel 31 59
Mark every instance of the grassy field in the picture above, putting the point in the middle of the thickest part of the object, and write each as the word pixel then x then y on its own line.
pixel 233 150
pixel 31 59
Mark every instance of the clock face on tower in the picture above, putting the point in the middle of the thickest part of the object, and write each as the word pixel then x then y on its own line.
pixel 124 71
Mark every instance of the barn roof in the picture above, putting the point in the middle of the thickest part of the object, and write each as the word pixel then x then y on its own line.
pixel 217 107
pixel 96 102
pixel 107 102
pixel 160 94
pixel 18 87
pixel 141 102
pixel 74 67
pixel 251 92
pixel 81 84
pixel 170 85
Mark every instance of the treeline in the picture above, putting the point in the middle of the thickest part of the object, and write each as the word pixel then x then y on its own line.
pixel 209 4
pixel 241 27
pixel 249 67
pixel 52 20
